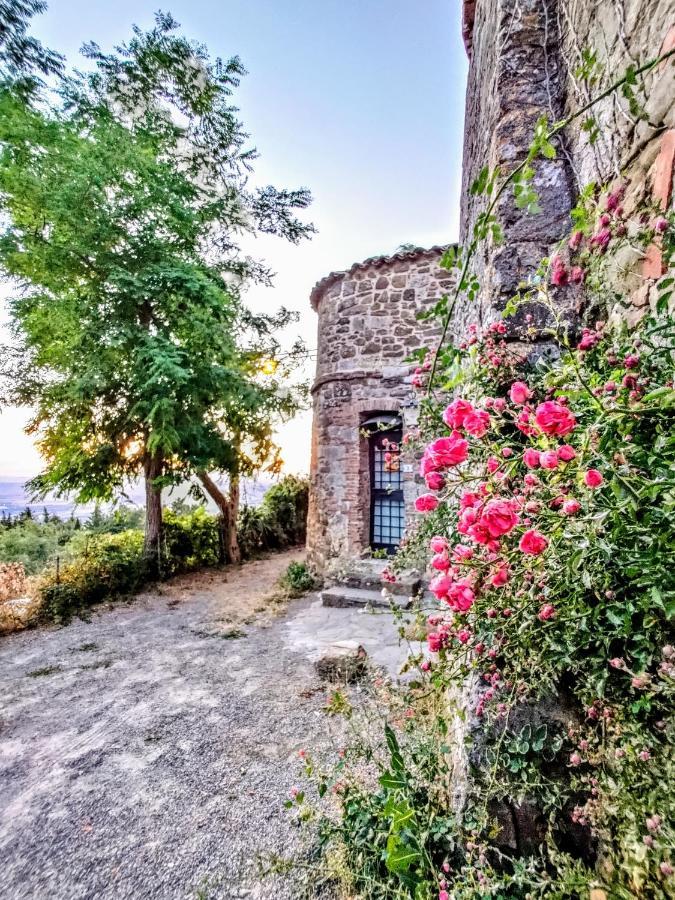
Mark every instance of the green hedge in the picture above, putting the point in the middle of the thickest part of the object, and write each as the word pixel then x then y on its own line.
pixel 113 565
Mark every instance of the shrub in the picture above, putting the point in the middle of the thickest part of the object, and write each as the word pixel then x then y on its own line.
pixel 110 565
pixel 280 520
pixel 297 580
pixel 549 538
pixel 191 540
pixel 100 566
pixel 12 581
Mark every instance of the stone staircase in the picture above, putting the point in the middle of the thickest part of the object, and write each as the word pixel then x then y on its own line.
pixel 361 586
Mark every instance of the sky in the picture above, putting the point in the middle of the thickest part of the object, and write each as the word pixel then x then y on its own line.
pixel 361 101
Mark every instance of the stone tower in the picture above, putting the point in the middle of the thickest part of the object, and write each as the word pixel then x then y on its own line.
pixel 362 487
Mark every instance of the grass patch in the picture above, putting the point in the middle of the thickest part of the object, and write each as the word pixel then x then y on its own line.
pixel 46 670
pixel 232 634
pixel 99 664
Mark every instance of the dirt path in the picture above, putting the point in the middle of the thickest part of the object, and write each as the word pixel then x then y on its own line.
pixel 146 753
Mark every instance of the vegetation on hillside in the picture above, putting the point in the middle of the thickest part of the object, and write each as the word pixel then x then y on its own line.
pixel 78 564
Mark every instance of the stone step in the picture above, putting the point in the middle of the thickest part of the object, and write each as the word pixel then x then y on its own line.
pixel 341 595
pixel 370 578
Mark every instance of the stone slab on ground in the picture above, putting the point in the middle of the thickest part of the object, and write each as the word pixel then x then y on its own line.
pixel 147 753
pixel 367 575
pixel 342 596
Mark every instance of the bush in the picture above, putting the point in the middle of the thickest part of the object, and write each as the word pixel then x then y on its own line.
pixel 297 580
pixel 12 581
pixel 280 521
pixel 110 565
pixel 549 535
pixel 191 540
pixel 101 566
pixel 32 543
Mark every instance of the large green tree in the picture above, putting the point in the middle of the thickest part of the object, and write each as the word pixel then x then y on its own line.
pixel 22 56
pixel 125 200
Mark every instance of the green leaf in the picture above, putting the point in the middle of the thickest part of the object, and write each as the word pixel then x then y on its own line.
pixel 397 763
pixel 392 782
pixel 400 856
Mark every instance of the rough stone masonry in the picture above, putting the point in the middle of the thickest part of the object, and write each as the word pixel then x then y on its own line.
pixel 524 63
pixel 367 329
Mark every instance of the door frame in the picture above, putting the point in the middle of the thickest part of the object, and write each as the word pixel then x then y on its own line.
pixel 376 432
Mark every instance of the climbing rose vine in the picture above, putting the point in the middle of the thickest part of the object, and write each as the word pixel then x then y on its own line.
pixel 546 529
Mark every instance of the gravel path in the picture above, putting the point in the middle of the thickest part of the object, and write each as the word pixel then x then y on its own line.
pixel 146 753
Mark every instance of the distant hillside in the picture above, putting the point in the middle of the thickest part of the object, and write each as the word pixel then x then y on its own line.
pixel 13 498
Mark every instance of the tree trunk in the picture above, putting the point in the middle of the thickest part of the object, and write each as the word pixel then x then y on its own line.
pixel 152 468
pixel 229 509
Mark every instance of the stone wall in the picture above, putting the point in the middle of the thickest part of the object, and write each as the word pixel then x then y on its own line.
pixel 524 57
pixel 367 328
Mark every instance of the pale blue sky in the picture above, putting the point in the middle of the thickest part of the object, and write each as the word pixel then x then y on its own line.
pixel 362 101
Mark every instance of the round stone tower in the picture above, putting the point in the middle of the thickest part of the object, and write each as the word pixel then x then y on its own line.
pixel 362 487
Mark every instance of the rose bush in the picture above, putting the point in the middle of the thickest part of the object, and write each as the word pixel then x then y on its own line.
pixel 550 535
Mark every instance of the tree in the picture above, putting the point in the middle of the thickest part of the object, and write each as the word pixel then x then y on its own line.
pixel 125 202
pixel 20 54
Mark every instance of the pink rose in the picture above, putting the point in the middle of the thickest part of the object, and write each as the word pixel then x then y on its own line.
pixel 577 275
pixel 499 405
pixel 575 240
pixel 631 361
pixel 571 507
pixel 469 498
pixel 436 640
pixel 531 458
pixel 500 577
pixel 478 533
pixel 444 452
pixel 463 636
pixel 438 544
pixel 435 481
pixel 463 552
pixel 426 503
pixel 461 596
pixel 468 517
pixel 507 452
pixel 566 453
pixel 533 543
pixel 498 517
pixel 601 239
pixel 593 478
pixel 588 339
pixel 546 612
pixel 558 271
pixel 492 464
pixel 440 562
pixel 554 418
pixel 454 415
pixel 477 422
pixel 549 459
pixel 440 585
pixel 519 393
pixel 575 759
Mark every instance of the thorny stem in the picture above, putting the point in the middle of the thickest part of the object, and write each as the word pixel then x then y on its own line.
pixel 552 132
